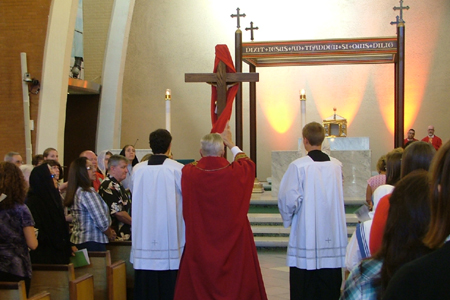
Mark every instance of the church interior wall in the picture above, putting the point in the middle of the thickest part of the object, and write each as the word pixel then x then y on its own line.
pixel 23 29
pixel 96 18
pixel 168 39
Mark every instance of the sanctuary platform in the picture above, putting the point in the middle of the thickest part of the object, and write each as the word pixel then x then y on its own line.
pixel 353 152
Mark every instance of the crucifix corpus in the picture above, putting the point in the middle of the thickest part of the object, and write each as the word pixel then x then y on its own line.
pixel 222 80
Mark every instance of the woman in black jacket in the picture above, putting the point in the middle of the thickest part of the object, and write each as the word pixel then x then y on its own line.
pixel 45 204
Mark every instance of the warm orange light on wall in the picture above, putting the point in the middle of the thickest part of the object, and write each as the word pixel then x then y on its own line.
pixel 280 112
pixel 417 66
pixel 346 95
pixel 414 89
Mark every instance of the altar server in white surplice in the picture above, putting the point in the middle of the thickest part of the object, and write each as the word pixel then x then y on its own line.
pixel 311 201
pixel 158 228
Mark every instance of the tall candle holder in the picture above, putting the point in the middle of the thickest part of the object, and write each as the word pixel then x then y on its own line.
pixel 168 98
pixel 303 107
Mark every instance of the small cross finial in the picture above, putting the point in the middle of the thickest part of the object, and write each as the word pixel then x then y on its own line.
pixel 238 15
pixel 396 22
pixel 400 8
pixel 251 28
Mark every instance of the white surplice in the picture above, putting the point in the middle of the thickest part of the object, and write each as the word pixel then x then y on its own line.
pixel 158 228
pixel 311 201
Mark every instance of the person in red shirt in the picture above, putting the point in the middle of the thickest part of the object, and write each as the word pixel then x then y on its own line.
pixel 416 156
pixel 410 138
pixel 90 155
pixel 433 139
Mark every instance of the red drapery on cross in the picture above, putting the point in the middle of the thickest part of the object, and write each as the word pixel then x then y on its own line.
pixel 218 124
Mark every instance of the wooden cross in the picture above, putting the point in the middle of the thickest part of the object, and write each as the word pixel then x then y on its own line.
pixel 221 79
pixel 401 8
pixel 251 28
pixel 238 15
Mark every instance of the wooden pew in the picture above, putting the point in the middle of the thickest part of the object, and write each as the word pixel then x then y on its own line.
pixel 17 291
pixel 121 251
pixel 82 288
pixel 52 278
pixel 99 262
pixel 13 290
pixel 41 296
pixel 117 281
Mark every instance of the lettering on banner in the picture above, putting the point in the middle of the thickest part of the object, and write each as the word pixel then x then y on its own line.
pixel 326 47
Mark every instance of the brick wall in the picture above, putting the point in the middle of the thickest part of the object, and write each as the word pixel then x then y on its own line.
pixel 23 28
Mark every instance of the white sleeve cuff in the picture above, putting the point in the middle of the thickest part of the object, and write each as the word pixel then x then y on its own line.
pixel 235 150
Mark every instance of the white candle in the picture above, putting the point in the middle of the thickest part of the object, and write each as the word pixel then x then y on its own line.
pixel 303 107
pixel 168 98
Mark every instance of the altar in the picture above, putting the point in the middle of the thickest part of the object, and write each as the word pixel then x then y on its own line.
pixel 353 152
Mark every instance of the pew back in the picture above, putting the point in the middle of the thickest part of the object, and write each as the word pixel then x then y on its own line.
pixel 121 251
pixel 82 288
pixel 13 290
pixel 99 262
pixel 41 296
pixel 117 281
pixel 52 278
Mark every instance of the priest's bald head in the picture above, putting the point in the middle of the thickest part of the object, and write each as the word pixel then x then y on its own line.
pixel 211 145
pixel 313 135
pixel 160 141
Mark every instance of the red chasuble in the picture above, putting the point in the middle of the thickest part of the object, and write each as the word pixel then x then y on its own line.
pixel 219 259
pixel 435 141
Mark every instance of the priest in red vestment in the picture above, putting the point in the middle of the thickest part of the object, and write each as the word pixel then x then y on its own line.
pixel 219 259
pixel 410 138
pixel 433 139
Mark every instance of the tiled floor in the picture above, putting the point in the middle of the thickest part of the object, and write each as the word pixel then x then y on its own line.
pixel 275 273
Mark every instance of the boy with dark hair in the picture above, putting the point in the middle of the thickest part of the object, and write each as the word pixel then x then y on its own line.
pixel 158 226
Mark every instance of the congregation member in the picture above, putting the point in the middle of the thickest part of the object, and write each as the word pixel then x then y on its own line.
pixel 147 156
pixel 130 153
pixel 158 228
pixel 26 171
pixel 410 137
pixel 358 247
pixel 102 161
pixel 98 178
pixel 432 138
pixel 428 277
pixel 57 174
pixel 114 194
pixel 56 170
pixel 90 215
pixel 415 157
pixel 37 160
pixel 16 227
pixel 311 202
pixel 220 259
pixel 375 181
pixel 50 154
pixel 46 206
pixel 406 226
pixel 13 157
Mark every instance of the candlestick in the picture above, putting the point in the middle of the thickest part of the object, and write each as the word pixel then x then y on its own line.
pixel 303 107
pixel 168 97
